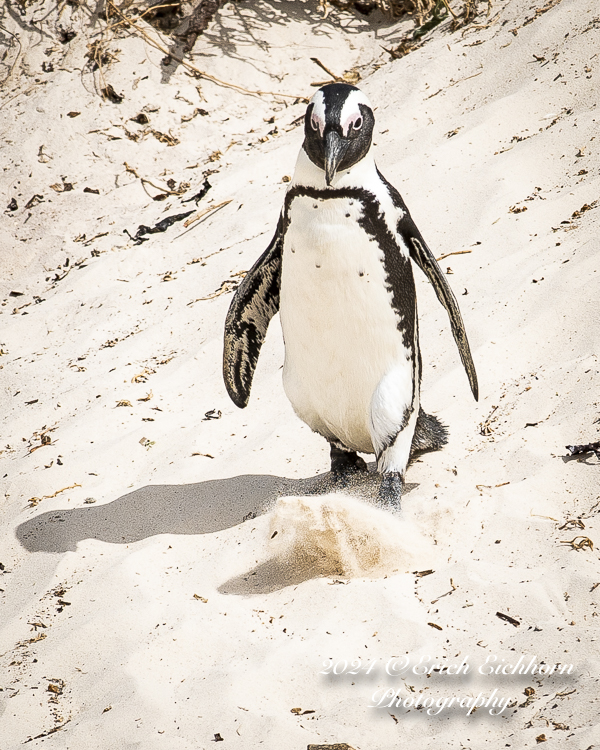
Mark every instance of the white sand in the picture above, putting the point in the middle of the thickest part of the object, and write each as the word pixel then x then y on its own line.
pixel 185 620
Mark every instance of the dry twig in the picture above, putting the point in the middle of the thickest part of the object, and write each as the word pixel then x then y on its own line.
pixel 207 210
pixel 585 542
pixel 33 501
pixel 458 252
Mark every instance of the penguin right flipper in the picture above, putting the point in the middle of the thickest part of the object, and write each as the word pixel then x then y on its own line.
pixel 426 261
pixel 254 304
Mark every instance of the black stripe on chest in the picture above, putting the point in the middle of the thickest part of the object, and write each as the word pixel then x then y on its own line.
pixel 397 266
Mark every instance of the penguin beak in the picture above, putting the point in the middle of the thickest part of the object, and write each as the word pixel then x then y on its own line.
pixel 335 150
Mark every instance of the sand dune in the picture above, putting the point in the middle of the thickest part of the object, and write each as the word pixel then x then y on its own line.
pixel 145 601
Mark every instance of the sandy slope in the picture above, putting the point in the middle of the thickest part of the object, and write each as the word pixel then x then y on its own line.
pixel 139 608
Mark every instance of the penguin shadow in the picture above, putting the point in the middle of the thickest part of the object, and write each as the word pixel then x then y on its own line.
pixel 201 508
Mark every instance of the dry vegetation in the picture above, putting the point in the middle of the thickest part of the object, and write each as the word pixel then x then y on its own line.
pixel 181 21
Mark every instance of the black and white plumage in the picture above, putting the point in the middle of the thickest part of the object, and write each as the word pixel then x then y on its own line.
pixel 339 271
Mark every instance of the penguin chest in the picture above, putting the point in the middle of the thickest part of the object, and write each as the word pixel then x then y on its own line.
pixel 341 332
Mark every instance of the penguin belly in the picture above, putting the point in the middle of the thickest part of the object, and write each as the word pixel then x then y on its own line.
pixel 341 332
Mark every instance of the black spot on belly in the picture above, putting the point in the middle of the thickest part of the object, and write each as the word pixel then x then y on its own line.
pixel 347 216
pixel 397 265
pixel 361 273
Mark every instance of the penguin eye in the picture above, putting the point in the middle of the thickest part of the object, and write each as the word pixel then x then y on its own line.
pixel 357 124
pixel 314 122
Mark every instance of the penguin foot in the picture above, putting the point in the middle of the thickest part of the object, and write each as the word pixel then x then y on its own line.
pixel 390 489
pixel 345 463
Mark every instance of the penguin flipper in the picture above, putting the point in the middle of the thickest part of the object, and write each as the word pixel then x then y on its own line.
pixel 254 304
pixel 426 261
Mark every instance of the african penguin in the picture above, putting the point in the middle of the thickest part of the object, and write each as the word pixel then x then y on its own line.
pixel 339 271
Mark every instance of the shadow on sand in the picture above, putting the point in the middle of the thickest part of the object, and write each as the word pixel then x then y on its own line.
pixel 276 574
pixel 201 508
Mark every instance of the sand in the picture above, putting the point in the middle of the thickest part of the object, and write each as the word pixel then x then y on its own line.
pixel 145 599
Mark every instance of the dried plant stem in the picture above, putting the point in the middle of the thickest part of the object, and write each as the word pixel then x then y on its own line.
pixel 329 73
pixel 207 210
pixel 33 501
pixel 125 22
pixel 144 181
pixel 452 13
pixel 457 252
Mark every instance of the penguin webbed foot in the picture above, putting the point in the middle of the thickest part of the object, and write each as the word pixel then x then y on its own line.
pixel 345 463
pixel 391 488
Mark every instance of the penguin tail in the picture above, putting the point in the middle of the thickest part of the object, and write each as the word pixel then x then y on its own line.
pixel 430 434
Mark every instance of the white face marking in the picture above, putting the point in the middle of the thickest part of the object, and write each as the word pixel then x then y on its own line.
pixel 351 114
pixel 317 119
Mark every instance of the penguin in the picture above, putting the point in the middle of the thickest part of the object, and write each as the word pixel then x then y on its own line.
pixel 339 271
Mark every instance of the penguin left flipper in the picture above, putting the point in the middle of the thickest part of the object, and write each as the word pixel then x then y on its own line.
pixel 254 304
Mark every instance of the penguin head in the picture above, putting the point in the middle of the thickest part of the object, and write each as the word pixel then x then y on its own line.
pixel 338 128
